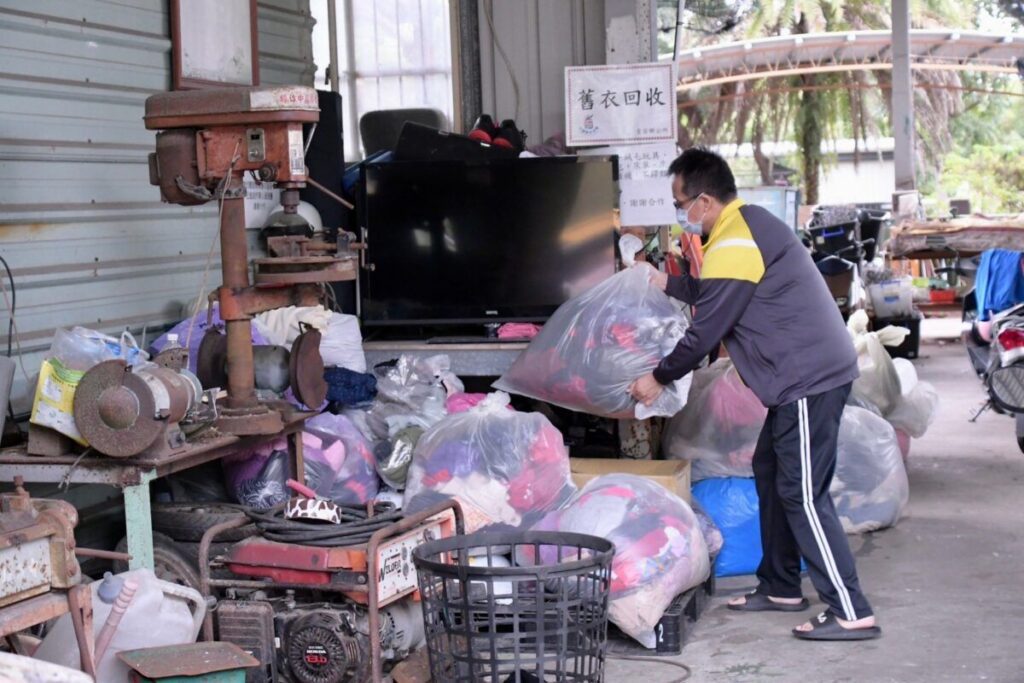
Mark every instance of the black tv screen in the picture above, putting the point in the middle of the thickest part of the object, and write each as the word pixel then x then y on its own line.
pixel 484 241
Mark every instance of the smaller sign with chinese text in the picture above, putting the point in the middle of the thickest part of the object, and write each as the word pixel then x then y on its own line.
pixel 645 189
pixel 621 104
pixel 261 200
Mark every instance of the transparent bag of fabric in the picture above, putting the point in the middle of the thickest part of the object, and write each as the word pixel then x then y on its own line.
pixel 597 344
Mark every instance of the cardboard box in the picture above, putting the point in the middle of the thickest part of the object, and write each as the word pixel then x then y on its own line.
pixel 674 475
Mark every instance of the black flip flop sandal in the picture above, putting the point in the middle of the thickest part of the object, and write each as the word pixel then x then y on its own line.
pixel 758 602
pixel 827 627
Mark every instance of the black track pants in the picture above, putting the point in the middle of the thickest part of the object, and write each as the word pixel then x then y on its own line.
pixel 793 466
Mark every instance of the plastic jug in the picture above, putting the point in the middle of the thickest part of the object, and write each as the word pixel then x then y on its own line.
pixel 161 613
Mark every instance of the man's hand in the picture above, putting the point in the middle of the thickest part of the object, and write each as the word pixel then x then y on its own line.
pixel 646 389
pixel 658 278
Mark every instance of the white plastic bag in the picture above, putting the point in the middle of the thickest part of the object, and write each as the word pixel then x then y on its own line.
pixel 719 426
pixel 281 326
pixel 342 343
pixel 879 382
pixel 660 550
pixel 597 344
pixel 870 487
pixel 71 355
pixel 503 466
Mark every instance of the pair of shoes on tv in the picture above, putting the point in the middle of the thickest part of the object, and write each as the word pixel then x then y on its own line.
pixel 506 135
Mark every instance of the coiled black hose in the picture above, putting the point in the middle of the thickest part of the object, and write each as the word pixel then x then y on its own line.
pixel 355 529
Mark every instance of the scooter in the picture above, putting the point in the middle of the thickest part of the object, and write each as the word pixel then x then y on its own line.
pixel 997 356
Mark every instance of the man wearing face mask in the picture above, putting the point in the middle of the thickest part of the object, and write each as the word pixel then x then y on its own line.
pixel 760 294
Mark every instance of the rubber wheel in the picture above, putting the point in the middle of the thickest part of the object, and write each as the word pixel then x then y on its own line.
pixel 189 521
pixel 177 562
pixel 169 562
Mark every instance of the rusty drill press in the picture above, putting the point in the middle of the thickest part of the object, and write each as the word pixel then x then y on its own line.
pixel 208 139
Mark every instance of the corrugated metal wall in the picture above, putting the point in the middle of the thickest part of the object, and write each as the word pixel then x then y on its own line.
pixel 539 38
pixel 83 231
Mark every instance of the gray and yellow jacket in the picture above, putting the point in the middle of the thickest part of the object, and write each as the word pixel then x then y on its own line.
pixel 761 294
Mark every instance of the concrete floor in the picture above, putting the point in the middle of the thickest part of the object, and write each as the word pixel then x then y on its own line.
pixel 947 583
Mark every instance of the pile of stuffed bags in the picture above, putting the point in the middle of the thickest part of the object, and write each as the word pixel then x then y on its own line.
pixel 719 427
pixel 511 469
pixel 889 387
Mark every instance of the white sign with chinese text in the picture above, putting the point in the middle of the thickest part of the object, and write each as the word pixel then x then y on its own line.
pixel 620 104
pixel 645 189
pixel 261 200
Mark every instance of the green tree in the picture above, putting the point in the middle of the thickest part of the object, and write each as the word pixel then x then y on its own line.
pixel 991 175
pixel 812 108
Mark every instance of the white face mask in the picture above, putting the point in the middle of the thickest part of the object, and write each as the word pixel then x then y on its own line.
pixel 692 227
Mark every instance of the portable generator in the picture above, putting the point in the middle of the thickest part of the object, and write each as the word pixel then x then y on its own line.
pixel 322 603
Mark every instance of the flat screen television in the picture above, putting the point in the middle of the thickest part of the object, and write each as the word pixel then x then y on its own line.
pixel 484 241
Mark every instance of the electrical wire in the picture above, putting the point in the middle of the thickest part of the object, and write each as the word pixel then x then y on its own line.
pixel 13 326
pixel 489 15
pixel 666 662
pixel 213 244
pixel 356 526
pixel 13 307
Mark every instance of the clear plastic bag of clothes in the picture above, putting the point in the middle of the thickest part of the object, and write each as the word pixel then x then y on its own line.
pixel 394 456
pixel 411 391
pixel 503 466
pixel 348 475
pixel 660 550
pixel 870 487
pixel 712 534
pixel 596 345
pixel 719 426
pixel 257 477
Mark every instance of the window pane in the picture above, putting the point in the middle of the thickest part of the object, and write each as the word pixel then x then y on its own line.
pixel 436 27
pixel 389 93
pixel 367 95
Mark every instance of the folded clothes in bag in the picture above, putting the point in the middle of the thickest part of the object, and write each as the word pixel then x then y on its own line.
pixel 503 466
pixel 596 345
pixel 870 487
pixel 719 427
pixel 660 549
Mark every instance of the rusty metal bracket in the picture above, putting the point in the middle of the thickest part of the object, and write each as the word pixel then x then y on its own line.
pixel 199 192
pixel 244 302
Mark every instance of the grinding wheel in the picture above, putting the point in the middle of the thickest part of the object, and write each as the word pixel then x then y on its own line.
pixel 212 359
pixel 114 410
pixel 306 368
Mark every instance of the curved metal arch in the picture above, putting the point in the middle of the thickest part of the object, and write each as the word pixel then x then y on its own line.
pixel 781 56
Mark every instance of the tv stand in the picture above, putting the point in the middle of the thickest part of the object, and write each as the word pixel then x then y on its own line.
pixel 470 356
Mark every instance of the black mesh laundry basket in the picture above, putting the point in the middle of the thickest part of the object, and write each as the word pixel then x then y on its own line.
pixel 515 607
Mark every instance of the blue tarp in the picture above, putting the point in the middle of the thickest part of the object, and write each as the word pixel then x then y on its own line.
pixel 999 283
pixel 732 503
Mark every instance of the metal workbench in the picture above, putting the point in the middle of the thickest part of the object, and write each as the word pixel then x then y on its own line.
pixel 134 474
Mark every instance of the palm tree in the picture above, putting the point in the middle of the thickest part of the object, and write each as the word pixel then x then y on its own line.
pixel 815 107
